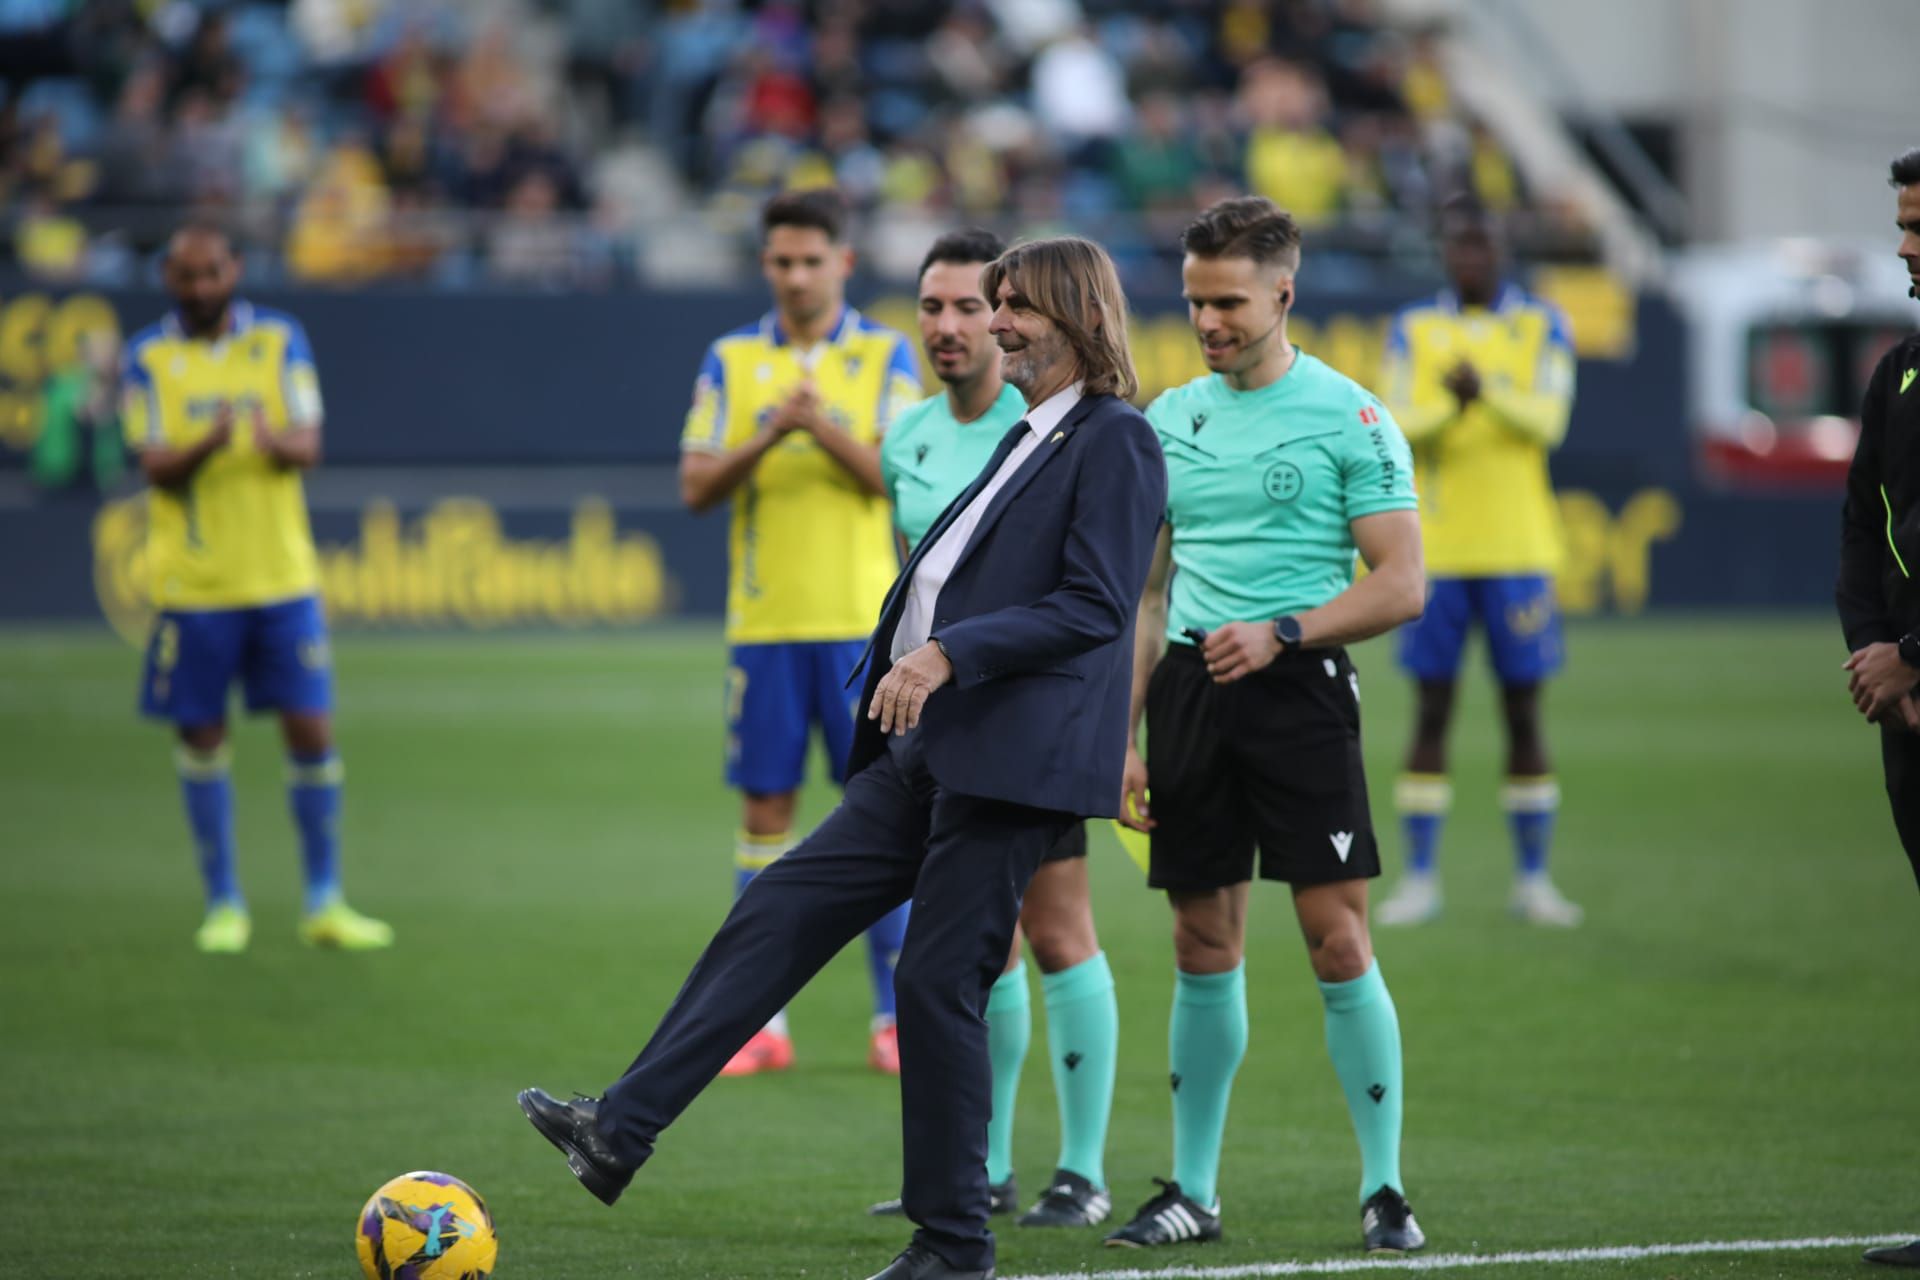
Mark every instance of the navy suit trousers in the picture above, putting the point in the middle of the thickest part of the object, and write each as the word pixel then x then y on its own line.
pixel 965 862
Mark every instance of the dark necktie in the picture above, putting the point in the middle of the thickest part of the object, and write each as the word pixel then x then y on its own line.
pixel 939 528
pixel 1013 437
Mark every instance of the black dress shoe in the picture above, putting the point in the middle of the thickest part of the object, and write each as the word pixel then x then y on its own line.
pixel 572 1127
pixel 917 1262
pixel 1896 1255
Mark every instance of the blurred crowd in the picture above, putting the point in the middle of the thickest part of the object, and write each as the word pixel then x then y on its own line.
pixel 344 140
pixel 582 142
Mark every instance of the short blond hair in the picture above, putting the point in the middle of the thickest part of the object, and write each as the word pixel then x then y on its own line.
pixel 1072 282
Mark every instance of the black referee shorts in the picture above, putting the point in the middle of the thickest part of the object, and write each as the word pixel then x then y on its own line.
pixel 1270 763
pixel 1073 844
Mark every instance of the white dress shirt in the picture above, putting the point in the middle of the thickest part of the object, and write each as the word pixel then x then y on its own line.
pixel 916 619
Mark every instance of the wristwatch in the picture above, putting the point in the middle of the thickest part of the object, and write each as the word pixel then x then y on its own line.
pixel 1910 649
pixel 1287 631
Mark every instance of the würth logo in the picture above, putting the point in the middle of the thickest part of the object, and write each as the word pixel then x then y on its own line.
pixel 1369 415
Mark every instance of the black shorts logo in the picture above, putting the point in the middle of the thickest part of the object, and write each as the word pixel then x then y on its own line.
pixel 1283 482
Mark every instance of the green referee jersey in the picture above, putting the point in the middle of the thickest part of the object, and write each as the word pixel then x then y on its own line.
pixel 1261 486
pixel 928 456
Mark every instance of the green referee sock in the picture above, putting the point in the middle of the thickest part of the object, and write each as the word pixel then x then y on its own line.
pixel 1083 1037
pixel 1207 1037
pixel 1363 1038
pixel 1009 1032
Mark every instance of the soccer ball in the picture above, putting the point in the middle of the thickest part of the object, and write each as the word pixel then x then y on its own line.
pixel 426 1226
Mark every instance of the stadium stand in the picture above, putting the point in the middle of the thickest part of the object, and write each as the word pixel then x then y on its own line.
pixel 600 143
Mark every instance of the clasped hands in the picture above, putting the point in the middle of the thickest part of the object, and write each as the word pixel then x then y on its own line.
pixel 1463 380
pixel 1883 686
pixel 265 441
pixel 802 410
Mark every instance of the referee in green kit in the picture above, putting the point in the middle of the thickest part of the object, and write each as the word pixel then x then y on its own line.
pixel 1279 471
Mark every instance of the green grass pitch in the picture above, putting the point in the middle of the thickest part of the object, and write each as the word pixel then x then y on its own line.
pixel 1726 1050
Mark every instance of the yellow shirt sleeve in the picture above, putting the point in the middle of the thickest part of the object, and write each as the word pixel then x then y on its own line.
pixel 299 378
pixel 1423 412
pixel 706 426
pixel 139 416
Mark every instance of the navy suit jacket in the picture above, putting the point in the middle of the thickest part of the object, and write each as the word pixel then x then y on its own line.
pixel 1037 618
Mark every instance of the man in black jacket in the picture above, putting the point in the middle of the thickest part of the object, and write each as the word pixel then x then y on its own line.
pixel 1880 546
pixel 1879 551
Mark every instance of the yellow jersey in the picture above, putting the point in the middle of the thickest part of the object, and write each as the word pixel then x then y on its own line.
pixel 1486 502
pixel 1304 171
pixel 236 534
pixel 810 552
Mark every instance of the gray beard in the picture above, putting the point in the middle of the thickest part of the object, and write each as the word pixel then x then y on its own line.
pixel 1022 371
pixel 1017 370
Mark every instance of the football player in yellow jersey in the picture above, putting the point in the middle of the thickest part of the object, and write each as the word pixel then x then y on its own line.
pixel 223 405
pixel 1481 381
pixel 786 422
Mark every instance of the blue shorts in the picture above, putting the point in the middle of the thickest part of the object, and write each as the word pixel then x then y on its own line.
pixel 278 652
pixel 1519 614
pixel 776 693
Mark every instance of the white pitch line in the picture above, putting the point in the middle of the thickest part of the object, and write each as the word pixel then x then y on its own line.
pixel 1450 1261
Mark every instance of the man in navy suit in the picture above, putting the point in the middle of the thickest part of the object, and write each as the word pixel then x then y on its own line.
pixel 997 690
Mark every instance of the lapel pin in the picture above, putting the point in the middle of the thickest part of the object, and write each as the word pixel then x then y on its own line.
pixel 1058 436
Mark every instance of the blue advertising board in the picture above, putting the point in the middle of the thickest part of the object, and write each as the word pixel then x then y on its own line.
pixel 506 460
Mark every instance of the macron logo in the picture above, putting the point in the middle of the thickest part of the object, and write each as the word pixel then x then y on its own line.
pixel 1342 843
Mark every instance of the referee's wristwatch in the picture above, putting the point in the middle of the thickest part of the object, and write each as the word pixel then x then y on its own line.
pixel 1910 649
pixel 1287 631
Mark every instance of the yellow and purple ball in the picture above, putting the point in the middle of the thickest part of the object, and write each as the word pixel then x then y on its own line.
pixel 426 1226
